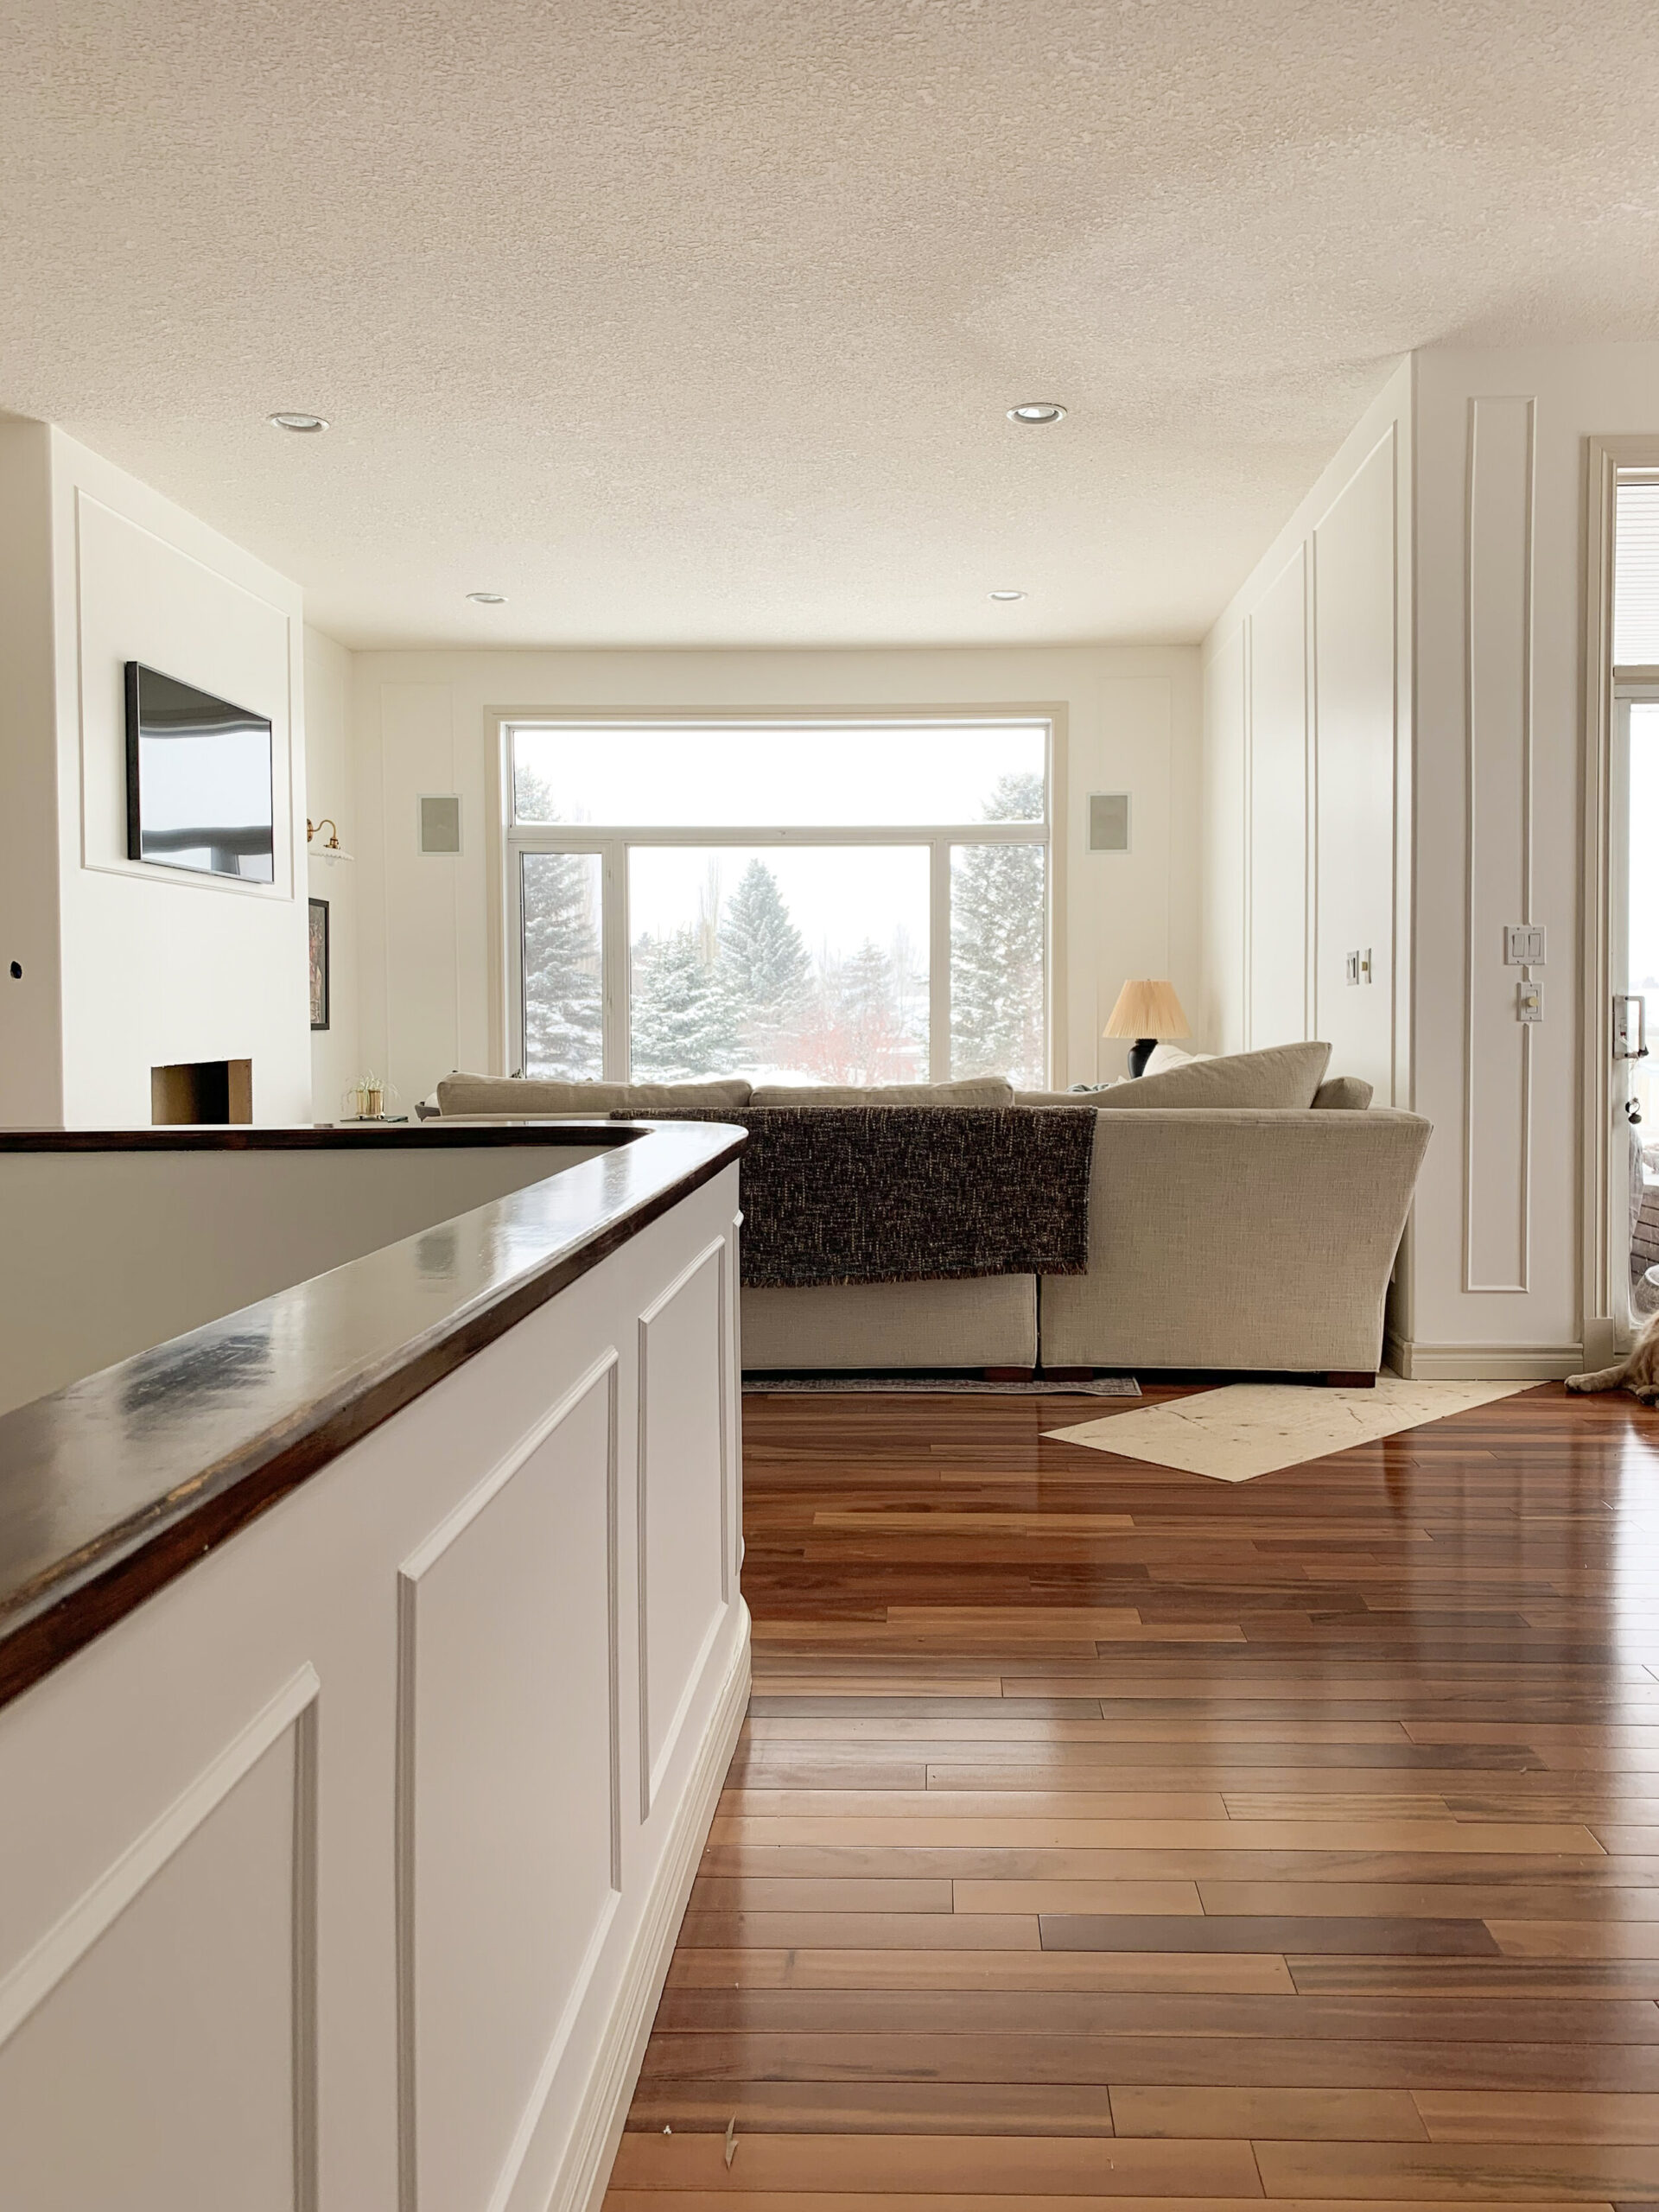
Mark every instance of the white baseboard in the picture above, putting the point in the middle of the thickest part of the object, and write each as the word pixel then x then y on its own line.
pixel 1481 1363
pixel 1601 1344
pixel 586 2172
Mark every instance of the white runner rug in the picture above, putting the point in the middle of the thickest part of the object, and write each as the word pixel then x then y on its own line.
pixel 1248 1429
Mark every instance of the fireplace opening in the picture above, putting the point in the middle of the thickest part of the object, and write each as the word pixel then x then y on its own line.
pixel 201 1090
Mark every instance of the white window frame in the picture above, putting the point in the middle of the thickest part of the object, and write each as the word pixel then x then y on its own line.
pixel 613 841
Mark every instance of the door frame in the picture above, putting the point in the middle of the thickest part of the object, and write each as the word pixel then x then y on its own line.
pixel 1602 1313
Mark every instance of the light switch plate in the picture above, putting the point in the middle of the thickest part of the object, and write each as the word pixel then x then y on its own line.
pixel 1524 944
pixel 1528 1001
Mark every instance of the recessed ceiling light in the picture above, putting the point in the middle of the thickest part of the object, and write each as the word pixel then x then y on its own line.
pixel 1008 594
pixel 487 597
pixel 1037 411
pixel 286 419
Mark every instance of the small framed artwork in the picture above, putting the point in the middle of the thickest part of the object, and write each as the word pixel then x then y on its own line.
pixel 319 964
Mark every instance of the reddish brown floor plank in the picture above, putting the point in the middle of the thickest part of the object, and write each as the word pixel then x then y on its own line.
pixel 1306 1830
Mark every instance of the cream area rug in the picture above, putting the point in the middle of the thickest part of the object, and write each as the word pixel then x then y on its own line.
pixel 1256 1428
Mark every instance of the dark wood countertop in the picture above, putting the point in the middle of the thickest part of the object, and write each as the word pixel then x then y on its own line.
pixel 113 1485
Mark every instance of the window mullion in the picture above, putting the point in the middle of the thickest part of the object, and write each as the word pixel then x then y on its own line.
pixel 613 960
pixel 515 944
pixel 938 961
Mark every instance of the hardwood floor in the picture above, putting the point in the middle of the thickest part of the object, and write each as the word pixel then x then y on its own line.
pixel 1104 1833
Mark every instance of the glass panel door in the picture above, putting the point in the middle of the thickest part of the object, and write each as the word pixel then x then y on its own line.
pixel 1636 968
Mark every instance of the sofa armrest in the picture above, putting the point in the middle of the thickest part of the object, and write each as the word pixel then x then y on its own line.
pixel 1237 1238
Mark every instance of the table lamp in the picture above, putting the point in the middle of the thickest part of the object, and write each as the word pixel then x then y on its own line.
pixel 1145 1010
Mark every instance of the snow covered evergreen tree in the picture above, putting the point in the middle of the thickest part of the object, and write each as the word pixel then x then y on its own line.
pixel 878 1050
pixel 563 1007
pixel 996 946
pixel 683 1022
pixel 763 962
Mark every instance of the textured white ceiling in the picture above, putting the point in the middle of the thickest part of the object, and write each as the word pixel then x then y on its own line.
pixel 696 320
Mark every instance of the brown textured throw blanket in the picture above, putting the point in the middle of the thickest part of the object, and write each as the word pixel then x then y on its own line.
pixel 907 1193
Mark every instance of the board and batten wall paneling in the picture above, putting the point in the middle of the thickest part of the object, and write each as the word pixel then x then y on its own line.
pixel 1498 730
pixel 1499 1283
pixel 1355 599
pixel 1219 1017
pixel 1306 755
pixel 1277 934
pixel 331 790
pixel 421 890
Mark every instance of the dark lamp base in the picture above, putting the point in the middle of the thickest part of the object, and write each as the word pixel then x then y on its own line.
pixel 1140 1053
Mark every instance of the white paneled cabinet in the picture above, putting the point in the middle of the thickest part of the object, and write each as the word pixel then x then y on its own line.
pixel 326 1880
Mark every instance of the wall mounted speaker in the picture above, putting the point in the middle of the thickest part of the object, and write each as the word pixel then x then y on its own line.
pixel 1108 822
pixel 441 823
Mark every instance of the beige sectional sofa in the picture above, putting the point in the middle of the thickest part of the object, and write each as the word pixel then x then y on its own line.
pixel 1244 1214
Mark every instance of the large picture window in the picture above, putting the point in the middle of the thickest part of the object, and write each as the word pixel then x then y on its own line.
pixel 850 902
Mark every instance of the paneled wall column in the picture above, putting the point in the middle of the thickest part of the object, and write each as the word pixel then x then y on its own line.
pixel 1502 445
pixel 1307 763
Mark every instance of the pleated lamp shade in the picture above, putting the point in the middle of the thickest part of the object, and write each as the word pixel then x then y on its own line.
pixel 1147 1008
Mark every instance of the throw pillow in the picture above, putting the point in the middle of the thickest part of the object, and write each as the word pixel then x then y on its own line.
pixel 1348 1093
pixel 1171 1056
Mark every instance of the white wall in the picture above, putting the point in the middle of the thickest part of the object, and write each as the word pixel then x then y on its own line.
pixel 331 787
pixel 421 722
pixel 31 1011
pixel 151 965
pixel 82 1287
pixel 1500 554
pixel 1307 771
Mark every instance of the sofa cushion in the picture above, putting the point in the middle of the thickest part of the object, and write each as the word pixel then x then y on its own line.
pixel 1348 1093
pixel 516 1095
pixel 980 1090
pixel 1284 1075
pixel 1164 1057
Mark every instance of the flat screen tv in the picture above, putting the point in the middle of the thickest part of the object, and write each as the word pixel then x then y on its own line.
pixel 199 790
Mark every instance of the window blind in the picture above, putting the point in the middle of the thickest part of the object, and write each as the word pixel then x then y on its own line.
pixel 1636 574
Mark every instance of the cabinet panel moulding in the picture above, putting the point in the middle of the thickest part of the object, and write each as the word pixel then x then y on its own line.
pixel 164 1874
pixel 508 1675
pixel 673 1651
